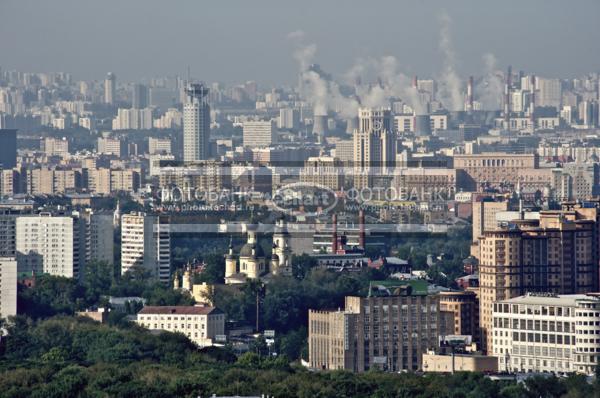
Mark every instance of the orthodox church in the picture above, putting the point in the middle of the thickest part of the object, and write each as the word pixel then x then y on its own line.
pixel 252 262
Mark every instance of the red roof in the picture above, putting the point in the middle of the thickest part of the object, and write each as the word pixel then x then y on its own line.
pixel 179 310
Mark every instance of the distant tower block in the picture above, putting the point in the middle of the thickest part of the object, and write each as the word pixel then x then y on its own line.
pixel 110 87
pixel 196 123
pixel 351 125
pixel 319 126
pixel 422 125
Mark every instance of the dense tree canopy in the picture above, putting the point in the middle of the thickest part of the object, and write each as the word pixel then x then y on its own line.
pixel 68 357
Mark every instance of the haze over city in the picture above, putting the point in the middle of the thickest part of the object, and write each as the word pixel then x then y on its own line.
pixel 234 40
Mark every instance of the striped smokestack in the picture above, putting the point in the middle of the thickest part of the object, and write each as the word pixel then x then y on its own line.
pixel 361 228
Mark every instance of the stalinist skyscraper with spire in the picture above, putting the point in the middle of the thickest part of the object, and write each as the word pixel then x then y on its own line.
pixel 196 123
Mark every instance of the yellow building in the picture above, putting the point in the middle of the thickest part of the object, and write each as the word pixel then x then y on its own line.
pixel 433 362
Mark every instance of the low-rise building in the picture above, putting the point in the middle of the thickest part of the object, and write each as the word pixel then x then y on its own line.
pixel 200 324
pixel 441 363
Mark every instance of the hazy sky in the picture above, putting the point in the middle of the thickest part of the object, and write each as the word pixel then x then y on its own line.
pixel 237 40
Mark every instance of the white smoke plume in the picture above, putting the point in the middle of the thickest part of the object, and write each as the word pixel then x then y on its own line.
pixel 450 85
pixel 391 83
pixel 490 89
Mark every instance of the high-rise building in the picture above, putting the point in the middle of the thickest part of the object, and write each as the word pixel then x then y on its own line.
pixel 547 333
pixel 549 92
pixel 8 231
pixel 374 146
pixel 8 287
pixel 98 229
pixel 110 88
pixel 146 245
pixel 139 96
pixel 463 305
pixel 484 215
pixel 289 118
pixel 557 254
pixel 196 123
pixel 133 119
pixel 257 134
pixel 8 148
pixel 45 245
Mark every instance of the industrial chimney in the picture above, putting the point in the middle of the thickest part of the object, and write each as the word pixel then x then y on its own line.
pixel 532 106
pixel 361 228
pixel 334 237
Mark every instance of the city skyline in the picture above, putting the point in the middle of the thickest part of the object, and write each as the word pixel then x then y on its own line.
pixel 273 199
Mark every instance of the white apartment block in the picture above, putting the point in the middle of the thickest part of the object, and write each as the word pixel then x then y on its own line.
pixel 200 324
pixel 133 119
pixel 547 333
pixel 8 287
pixel 146 243
pixel 45 245
pixel 258 134
pixel 55 146
pixel 159 146
pixel 109 146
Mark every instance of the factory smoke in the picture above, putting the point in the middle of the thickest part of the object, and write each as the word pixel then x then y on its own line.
pixel 490 88
pixel 377 82
pixel 450 85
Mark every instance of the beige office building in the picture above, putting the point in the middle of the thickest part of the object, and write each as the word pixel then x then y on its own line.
pixel 259 134
pixel 390 333
pixel 495 168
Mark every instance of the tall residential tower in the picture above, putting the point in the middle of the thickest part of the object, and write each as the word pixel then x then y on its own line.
pixel 110 87
pixel 196 123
